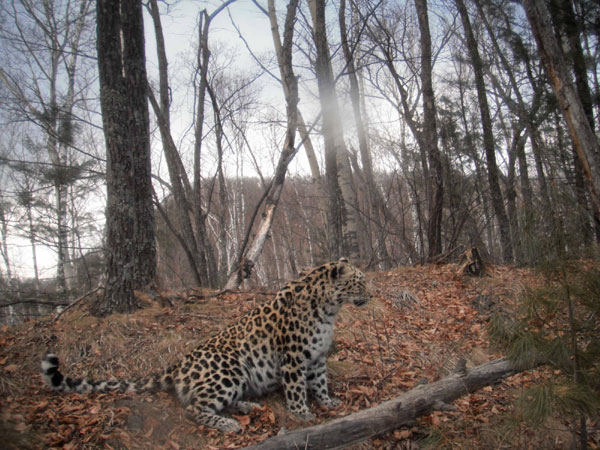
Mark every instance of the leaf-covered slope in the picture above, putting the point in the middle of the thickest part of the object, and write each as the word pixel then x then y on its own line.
pixel 421 322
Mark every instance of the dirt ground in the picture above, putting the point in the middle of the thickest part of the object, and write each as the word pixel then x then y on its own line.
pixel 421 321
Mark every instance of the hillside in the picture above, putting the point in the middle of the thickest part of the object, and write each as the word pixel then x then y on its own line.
pixel 420 322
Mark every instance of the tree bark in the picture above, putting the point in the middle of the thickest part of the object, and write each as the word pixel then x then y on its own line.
pixel 488 136
pixel 130 244
pixel 392 414
pixel 315 172
pixel 586 142
pixel 4 245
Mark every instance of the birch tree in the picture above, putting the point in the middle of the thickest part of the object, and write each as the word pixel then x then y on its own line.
pixel 48 38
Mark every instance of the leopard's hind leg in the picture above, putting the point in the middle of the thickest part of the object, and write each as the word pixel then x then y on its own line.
pixel 205 401
pixel 204 415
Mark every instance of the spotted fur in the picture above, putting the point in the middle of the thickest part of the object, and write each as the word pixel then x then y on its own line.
pixel 282 342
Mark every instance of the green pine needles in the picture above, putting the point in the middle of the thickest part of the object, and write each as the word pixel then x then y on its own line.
pixel 558 324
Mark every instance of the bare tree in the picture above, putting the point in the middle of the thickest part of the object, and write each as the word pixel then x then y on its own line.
pixel 342 211
pixel 586 142
pixel 248 255
pixel 375 200
pixel 488 134
pixel 181 189
pixel 526 112
pixel 194 198
pixel 393 35
pixel 430 137
pixel 51 36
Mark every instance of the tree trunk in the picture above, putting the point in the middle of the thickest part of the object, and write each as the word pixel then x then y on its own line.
pixel 430 138
pixel 374 199
pixel 52 147
pixel 517 144
pixel 31 230
pixel 4 243
pixel 247 260
pixel 488 136
pixel 343 202
pixel 586 142
pixel 222 191
pixel 60 193
pixel 180 188
pixel 206 254
pixel 566 17
pixel 471 151
pixel 392 414
pixel 130 244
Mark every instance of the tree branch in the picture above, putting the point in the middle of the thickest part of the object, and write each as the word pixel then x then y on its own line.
pixel 76 301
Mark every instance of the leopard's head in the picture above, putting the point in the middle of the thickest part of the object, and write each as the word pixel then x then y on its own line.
pixel 347 283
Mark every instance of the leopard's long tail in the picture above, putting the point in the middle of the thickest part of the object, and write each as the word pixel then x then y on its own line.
pixel 61 383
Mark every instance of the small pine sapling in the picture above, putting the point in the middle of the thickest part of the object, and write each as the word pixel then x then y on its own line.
pixel 558 325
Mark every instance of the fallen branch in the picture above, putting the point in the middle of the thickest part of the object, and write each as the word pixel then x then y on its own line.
pixel 392 414
pixel 191 293
pixel 33 302
pixel 77 300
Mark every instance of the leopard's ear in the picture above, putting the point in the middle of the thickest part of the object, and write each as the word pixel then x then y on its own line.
pixel 338 269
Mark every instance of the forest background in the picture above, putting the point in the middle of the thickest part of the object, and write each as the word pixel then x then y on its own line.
pixel 423 128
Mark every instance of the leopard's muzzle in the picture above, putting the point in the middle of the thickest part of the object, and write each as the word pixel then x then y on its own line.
pixel 361 300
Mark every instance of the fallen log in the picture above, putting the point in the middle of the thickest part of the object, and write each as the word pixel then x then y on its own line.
pixel 392 414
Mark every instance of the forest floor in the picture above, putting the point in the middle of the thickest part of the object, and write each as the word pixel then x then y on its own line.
pixel 420 322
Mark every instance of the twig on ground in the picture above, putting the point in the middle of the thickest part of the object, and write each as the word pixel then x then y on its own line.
pixel 76 301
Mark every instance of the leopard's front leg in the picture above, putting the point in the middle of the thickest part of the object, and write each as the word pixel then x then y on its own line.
pixel 294 385
pixel 317 382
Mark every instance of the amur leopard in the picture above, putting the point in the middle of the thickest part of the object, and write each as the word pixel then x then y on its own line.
pixel 282 342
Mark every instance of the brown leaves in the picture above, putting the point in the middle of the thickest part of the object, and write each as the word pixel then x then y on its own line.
pixel 10 368
pixel 76 421
pixel 381 351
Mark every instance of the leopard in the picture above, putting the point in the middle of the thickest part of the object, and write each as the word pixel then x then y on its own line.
pixel 283 342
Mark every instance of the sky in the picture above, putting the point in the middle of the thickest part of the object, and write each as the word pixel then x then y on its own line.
pixel 181 36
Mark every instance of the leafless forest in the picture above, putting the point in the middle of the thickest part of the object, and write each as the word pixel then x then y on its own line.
pixel 390 132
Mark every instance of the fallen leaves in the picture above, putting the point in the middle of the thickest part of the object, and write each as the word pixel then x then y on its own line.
pixel 380 351
pixel 10 368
